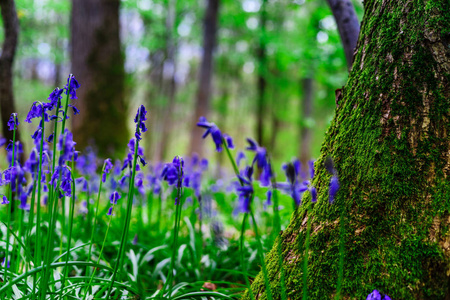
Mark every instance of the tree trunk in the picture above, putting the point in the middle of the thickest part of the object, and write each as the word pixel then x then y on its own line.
pixel 262 71
pixel 169 83
pixel 202 102
pixel 8 51
pixel 98 64
pixel 391 147
pixel 348 26
pixel 305 131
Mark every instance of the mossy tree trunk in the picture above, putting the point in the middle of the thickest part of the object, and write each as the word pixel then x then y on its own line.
pixel 98 65
pixel 391 147
pixel 7 54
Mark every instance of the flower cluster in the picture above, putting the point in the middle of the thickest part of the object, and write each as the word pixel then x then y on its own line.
pixel 139 119
pixel 375 295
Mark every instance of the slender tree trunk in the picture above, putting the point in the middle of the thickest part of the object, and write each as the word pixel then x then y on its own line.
pixel 170 84
pixel 348 26
pixel 98 64
pixel 202 102
pixel 305 130
pixel 391 149
pixel 11 32
pixel 262 71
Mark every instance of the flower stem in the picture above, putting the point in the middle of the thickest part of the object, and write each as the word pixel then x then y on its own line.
pixel 261 257
pixel 10 205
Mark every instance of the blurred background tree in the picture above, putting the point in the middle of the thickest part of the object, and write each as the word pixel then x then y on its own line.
pixel 273 69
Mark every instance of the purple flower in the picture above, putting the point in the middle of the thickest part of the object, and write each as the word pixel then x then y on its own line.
pixel 13 122
pixel 108 166
pixel 294 185
pixel 334 187
pixel 313 192
pixel 375 295
pixel 55 97
pixel 244 189
pixel 173 172
pixel 2 141
pixel 71 87
pixel 261 160
pixel 229 141
pixel 240 157
pixel 214 130
pixel 109 213
pixel 114 197
pixel 139 119
pixel 4 200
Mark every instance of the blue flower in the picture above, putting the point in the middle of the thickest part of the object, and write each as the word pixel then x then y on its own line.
pixel 4 200
pixel 212 129
pixel 108 166
pixel 261 160
pixel 375 295
pixel 334 187
pixel 109 213
pixel 55 98
pixel 229 141
pixel 244 189
pixel 71 87
pixel 139 119
pixel 173 172
pixel 114 197
pixel 13 122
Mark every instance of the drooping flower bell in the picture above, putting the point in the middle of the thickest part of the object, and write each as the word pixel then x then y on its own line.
pixel 13 122
pixel 212 129
pixel 71 87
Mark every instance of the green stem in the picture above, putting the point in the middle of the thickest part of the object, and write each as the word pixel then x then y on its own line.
pixel 69 238
pixel 261 257
pixel 243 264
pixel 277 226
pixel 128 215
pixel 100 255
pixel 10 205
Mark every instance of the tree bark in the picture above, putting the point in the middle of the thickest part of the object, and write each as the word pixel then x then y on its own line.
pixel 262 71
pixel 170 82
pixel 98 64
pixel 203 99
pixel 348 26
pixel 8 51
pixel 391 147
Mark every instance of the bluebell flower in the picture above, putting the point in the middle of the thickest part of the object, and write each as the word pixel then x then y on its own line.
pixel 375 295
pixel 109 213
pixel 334 181
pixel 240 157
pixel 75 110
pixel 13 122
pixel 334 187
pixel 4 200
pixel 212 129
pixel 114 197
pixel 173 172
pixel 36 111
pixel 66 146
pixel 55 97
pixel 313 192
pixel 108 166
pixel 2 141
pixel 261 161
pixel 139 119
pixel 71 87
pixel 229 141
pixel 294 186
pixel 244 189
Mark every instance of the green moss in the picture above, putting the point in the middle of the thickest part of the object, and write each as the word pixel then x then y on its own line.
pixel 393 172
